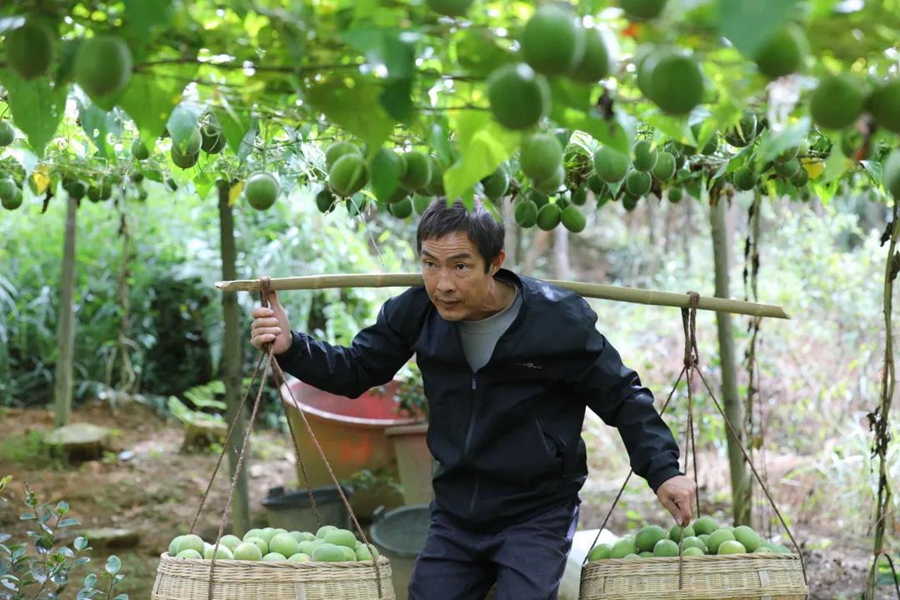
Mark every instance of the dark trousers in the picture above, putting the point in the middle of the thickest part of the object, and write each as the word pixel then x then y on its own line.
pixel 526 561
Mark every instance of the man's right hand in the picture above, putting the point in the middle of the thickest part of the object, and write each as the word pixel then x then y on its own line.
pixel 271 325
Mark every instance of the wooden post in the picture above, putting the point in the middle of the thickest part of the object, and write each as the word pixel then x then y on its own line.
pixel 740 481
pixel 231 363
pixel 65 334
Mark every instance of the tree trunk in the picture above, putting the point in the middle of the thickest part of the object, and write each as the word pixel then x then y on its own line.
pixel 687 231
pixel 231 364
pixel 740 487
pixel 65 334
pixel 538 245
pixel 561 252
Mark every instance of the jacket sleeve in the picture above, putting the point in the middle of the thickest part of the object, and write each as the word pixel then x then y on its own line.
pixel 615 393
pixel 372 359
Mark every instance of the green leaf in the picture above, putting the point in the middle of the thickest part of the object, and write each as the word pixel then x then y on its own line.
pixel 37 108
pixel 143 16
pixel 69 522
pixel 355 105
pixel 98 124
pixel 113 564
pixel 572 107
pixel 749 23
pixel 483 145
pixel 396 99
pixel 90 581
pixel 80 543
pixel 152 95
pixel 773 144
pixel 235 124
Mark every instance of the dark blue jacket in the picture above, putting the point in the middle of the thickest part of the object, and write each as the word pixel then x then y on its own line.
pixel 507 438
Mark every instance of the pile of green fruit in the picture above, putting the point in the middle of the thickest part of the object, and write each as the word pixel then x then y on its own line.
pixel 328 544
pixel 703 537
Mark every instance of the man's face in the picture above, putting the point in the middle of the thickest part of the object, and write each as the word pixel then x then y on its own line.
pixel 455 277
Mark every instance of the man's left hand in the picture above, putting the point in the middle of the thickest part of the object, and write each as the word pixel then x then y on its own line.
pixel 677 495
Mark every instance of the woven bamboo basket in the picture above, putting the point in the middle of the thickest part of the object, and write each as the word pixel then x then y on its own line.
pixel 188 579
pixel 728 577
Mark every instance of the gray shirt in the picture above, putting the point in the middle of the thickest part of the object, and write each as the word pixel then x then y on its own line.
pixel 480 337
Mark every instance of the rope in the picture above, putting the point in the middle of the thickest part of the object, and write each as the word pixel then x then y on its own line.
pixel 691 365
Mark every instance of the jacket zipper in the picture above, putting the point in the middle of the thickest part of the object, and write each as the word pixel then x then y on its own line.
pixel 469 440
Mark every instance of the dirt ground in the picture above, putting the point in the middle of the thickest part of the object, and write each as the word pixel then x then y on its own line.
pixel 156 493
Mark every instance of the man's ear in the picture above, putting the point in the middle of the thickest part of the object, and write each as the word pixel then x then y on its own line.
pixel 497 263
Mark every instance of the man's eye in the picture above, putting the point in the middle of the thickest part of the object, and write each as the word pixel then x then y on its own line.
pixel 461 266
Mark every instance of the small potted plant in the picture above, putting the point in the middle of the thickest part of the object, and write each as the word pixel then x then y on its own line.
pixel 414 460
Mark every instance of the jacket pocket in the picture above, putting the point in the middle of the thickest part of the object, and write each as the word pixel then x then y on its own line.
pixel 554 446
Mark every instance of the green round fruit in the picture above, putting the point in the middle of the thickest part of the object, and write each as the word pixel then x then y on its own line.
pixel 552 183
pixel 325 201
pixel 496 184
pixel 629 202
pixel 705 526
pixel 801 178
pixel 884 105
pixel 29 49
pixel 638 184
pixel 274 557
pixel 259 543
pixel 7 134
pixel 349 553
pixel 665 166
pixel 189 553
pixel 762 550
pixel 731 547
pixel 599 552
pixel 526 214
pixel 610 165
pixel 642 10
pixel 138 150
pixel 694 542
pixel 8 188
pixel 223 553
pixel 191 143
pixel 252 533
pixel 573 219
pixel 103 66
pixel 518 95
pixel 248 551
pixel 261 190
pixel 14 202
pixel 717 538
pixel 181 160
pixel 308 546
pixel 213 139
pixel 891 174
pixel 623 547
pixel 633 556
pixel 552 40
pixel 402 209
pixel 540 199
pixel 418 171
pixel 744 179
pixel 643 156
pixel 580 196
pixel 284 544
pixel 230 541
pixel 748 538
pixel 364 552
pixel 324 530
pixel 788 169
pixel 541 155
pixel 742 134
pixel 388 163
pixel 548 217
pixel 75 188
pixel 337 150
pixel 647 537
pixel 782 53
pixel 597 185
pixel 693 552
pixel 191 542
pixel 595 63
pixel 328 553
pixel 348 175
pixel 449 8
pixel 421 203
pixel 837 102
pixel 664 548
pixel 675 195
pixel 676 83
pixel 676 532
pixel 300 557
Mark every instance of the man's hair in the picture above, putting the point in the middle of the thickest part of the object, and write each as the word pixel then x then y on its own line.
pixel 486 233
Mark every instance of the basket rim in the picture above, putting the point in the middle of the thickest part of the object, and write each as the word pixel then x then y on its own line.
pixel 346 564
pixel 704 558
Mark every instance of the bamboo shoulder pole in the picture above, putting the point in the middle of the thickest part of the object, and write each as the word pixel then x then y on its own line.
pixel 588 290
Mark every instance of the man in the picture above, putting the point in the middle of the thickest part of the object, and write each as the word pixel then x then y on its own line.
pixel 509 364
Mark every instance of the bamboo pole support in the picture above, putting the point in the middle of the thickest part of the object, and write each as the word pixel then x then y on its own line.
pixel 588 290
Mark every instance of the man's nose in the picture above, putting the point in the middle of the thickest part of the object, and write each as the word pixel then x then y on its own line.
pixel 445 284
